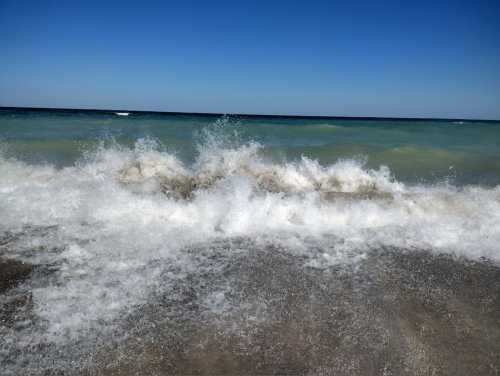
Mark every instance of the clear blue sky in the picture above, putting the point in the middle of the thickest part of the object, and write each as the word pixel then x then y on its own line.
pixel 375 58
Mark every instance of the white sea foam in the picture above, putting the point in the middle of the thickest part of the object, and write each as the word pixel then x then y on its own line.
pixel 119 215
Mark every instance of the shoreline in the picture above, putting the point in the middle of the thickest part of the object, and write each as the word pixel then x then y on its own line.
pixel 404 312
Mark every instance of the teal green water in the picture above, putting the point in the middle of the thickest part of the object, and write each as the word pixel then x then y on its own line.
pixel 415 151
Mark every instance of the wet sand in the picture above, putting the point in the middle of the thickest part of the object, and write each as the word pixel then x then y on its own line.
pixel 12 272
pixel 396 313
pixel 13 305
pixel 262 311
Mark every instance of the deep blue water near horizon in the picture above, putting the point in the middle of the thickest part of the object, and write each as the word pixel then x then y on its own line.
pixel 418 151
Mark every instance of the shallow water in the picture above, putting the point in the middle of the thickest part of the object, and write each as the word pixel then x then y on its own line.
pixel 191 245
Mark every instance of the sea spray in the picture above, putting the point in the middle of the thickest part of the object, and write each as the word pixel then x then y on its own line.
pixel 123 225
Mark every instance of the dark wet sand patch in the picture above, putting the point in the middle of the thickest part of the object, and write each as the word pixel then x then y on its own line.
pixel 12 272
pixel 396 313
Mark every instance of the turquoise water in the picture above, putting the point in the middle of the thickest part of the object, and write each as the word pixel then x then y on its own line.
pixel 461 152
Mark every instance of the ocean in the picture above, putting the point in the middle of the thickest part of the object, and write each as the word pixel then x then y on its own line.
pixel 152 243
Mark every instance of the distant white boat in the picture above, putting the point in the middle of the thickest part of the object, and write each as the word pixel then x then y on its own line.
pixel 122 113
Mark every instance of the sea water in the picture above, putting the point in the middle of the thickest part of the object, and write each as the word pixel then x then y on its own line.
pixel 118 214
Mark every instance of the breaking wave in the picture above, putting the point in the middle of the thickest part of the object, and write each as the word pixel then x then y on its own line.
pixel 108 225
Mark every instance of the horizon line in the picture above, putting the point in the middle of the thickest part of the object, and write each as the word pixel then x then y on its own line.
pixel 245 115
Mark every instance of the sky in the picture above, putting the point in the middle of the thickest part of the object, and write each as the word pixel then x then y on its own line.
pixel 437 58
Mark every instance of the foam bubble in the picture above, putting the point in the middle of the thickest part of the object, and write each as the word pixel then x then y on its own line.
pixel 120 215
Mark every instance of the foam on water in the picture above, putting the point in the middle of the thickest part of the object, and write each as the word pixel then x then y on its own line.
pixel 113 221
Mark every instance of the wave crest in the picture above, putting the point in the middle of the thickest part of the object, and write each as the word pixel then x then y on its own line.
pixel 342 179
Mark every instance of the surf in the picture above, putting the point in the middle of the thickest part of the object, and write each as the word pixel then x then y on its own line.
pixel 124 224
